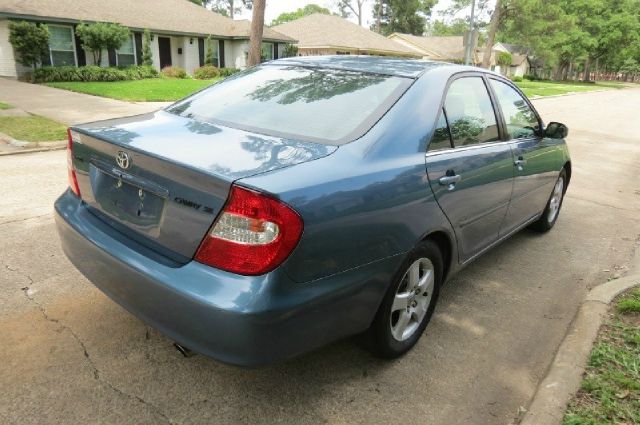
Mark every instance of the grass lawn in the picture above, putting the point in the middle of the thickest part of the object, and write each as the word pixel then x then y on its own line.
pixel 148 90
pixel 33 128
pixel 550 88
pixel 610 392
pixel 5 106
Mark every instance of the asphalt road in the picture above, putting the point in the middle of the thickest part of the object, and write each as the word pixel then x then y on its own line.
pixel 69 355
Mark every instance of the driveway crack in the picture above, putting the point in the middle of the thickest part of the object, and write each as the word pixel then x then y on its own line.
pixel 94 369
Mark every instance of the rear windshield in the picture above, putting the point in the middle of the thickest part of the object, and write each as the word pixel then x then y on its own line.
pixel 324 105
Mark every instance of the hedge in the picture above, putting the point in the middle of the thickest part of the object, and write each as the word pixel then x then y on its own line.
pixel 50 74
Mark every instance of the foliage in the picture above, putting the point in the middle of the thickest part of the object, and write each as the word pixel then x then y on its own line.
pixel 227 7
pixel 147 57
pixel 101 36
pixel 30 42
pixel 517 79
pixel 206 72
pixel 610 391
pixel 290 51
pixel 92 73
pixel 173 72
pixel 351 7
pixel 504 59
pixel 209 57
pixel 148 90
pixel 33 128
pixel 630 67
pixel 299 13
pixel 406 16
pixel 5 106
pixel 227 72
pixel 456 26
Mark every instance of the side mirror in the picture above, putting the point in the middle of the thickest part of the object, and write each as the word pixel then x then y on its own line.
pixel 556 130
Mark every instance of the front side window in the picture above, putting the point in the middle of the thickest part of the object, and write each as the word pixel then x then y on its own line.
pixel 61 46
pixel 125 55
pixel 521 121
pixel 325 105
pixel 441 137
pixel 470 113
pixel 211 47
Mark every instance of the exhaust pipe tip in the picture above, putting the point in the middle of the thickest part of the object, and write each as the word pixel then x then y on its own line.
pixel 184 350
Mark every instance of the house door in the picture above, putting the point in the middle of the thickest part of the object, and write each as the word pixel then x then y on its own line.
pixel 164 46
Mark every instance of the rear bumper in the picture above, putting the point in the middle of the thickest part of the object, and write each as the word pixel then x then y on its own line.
pixel 243 320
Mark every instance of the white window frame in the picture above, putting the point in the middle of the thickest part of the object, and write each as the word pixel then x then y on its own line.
pixel 73 44
pixel 135 56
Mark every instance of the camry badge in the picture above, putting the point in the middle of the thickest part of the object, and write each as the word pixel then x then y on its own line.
pixel 123 159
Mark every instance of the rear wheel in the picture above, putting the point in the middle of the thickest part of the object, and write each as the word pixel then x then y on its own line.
pixel 409 302
pixel 551 212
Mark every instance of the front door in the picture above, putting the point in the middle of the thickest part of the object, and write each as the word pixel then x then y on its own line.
pixel 472 176
pixel 534 158
pixel 164 47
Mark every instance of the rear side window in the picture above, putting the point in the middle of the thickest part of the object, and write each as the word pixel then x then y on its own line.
pixel 521 121
pixel 325 105
pixel 470 113
pixel 441 137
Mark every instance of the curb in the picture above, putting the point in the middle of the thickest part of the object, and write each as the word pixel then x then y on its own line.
pixel 35 150
pixel 566 371
pixel 31 147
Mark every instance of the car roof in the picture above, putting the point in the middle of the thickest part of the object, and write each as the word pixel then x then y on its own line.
pixel 386 65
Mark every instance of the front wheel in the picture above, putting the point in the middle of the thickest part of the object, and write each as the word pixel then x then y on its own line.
pixel 409 302
pixel 551 212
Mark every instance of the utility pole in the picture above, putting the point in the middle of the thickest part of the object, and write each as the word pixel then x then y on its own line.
pixel 468 56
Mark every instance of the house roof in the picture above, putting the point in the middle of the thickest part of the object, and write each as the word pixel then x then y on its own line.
pixel 443 47
pixel 329 31
pixel 171 16
pixel 516 49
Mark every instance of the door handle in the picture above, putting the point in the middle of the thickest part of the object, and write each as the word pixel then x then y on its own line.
pixel 520 163
pixel 450 181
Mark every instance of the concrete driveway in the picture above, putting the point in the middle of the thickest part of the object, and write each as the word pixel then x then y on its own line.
pixel 68 107
pixel 70 355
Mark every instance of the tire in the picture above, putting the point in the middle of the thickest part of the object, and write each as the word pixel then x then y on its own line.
pixel 551 212
pixel 404 306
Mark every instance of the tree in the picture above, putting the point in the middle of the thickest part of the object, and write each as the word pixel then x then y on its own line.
pixel 630 68
pixel 102 36
pixel 347 7
pixel 304 11
pixel 209 57
pixel 504 59
pixel 257 28
pixel 406 16
pixel 30 42
pixel 289 51
pixel 147 57
pixel 228 7
pixel 457 26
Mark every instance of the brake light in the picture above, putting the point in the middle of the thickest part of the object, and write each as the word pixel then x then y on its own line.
pixel 71 169
pixel 252 235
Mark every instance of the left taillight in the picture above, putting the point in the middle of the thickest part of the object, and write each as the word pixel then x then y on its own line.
pixel 71 169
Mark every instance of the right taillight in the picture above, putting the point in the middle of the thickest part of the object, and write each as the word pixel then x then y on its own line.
pixel 71 169
pixel 253 234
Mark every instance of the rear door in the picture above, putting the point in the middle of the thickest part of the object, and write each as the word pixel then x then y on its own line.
pixel 470 168
pixel 534 157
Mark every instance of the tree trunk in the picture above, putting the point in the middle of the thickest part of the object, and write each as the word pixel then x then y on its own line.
pixel 231 8
pixel 257 27
pixel 491 36
pixel 378 16
pixel 360 11
pixel 587 68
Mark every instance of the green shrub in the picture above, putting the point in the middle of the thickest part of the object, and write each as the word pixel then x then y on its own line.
pixel 206 72
pixel 52 74
pixel 517 79
pixel 30 42
pixel 226 72
pixel 102 36
pixel 174 72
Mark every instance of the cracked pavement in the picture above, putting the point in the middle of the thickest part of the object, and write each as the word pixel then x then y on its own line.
pixel 70 355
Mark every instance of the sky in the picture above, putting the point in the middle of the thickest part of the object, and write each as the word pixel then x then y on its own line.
pixel 276 7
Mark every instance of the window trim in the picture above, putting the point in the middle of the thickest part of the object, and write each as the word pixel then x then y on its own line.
pixel 135 56
pixel 73 44
pixel 503 124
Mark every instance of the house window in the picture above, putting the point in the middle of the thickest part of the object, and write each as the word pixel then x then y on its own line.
pixel 267 52
pixel 126 54
pixel 213 44
pixel 61 46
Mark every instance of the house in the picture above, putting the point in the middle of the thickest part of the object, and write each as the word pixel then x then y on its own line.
pixel 521 60
pixel 178 29
pixel 320 34
pixel 437 48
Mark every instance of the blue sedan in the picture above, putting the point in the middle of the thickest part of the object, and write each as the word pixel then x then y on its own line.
pixel 306 200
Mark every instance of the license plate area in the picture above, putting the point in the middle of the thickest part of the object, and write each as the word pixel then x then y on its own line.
pixel 127 200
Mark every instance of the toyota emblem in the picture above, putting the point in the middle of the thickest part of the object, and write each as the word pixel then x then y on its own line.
pixel 123 159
